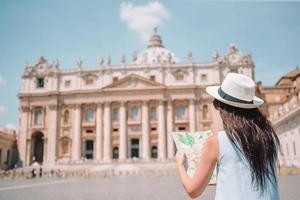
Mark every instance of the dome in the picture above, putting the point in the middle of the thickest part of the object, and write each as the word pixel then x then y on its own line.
pixel 156 53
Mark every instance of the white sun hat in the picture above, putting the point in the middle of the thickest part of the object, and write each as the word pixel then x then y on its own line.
pixel 236 90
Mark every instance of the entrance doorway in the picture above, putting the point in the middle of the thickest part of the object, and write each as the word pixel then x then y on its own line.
pixel 89 149
pixel 135 148
pixel 38 147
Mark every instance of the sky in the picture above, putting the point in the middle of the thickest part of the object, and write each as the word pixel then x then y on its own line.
pixel 88 29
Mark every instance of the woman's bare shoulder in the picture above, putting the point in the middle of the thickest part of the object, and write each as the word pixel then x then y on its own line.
pixel 212 146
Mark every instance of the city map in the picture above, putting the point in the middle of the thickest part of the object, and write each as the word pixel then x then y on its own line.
pixel 191 143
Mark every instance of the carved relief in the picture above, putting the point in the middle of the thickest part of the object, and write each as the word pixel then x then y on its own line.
pixel 53 106
pixel 25 109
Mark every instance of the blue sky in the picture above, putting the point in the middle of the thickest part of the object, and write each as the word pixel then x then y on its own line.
pixel 88 29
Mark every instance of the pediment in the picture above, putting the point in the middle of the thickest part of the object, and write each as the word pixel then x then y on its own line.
pixel 133 81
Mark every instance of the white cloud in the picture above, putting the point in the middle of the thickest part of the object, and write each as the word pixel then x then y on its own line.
pixel 10 126
pixel 2 81
pixel 143 18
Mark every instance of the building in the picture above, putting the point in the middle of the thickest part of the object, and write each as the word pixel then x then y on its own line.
pixel 283 102
pixel 118 112
pixel 8 150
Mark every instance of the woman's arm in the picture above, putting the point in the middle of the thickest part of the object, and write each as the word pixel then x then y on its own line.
pixel 195 186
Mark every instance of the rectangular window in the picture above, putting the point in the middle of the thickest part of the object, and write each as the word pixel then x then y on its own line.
pixel 153 129
pixel 40 83
pixel 115 130
pixel 89 81
pixel 89 131
pixel 203 77
pixel 287 149
pixel 152 78
pixel 115 79
pixel 38 117
pixel 67 83
pixel 181 128
pixel 179 76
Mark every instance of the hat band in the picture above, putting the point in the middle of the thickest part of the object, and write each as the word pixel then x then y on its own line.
pixel 228 97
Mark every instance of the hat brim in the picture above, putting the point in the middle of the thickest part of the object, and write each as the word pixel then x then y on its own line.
pixel 213 91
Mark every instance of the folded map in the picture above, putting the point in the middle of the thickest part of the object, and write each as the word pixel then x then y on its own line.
pixel 191 143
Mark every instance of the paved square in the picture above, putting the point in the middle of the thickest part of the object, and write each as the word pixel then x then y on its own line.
pixel 117 188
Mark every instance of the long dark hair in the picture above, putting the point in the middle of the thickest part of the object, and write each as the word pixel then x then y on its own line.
pixel 253 135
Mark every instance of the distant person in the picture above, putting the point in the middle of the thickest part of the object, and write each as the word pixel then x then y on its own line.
pixel 245 152
pixel 41 172
pixel 35 168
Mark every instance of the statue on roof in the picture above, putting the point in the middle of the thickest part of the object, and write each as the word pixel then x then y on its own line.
pixel 169 57
pixel 134 57
pixel 145 57
pixel 232 48
pixel 41 60
pixel 79 62
pixel 190 57
pixel 215 55
pixel 122 60
pixel 101 60
pixel 108 60
pixel 55 63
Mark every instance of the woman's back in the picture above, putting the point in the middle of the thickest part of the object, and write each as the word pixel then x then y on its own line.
pixel 234 181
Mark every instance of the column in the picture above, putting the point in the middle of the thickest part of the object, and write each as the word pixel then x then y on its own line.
pixel 28 152
pixel 145 129
pixel 161 131
pixel 23 131
pixel 123 132
pixel 76 144
pixel 107 133
pixel 52 125
pixel 99 132
pixel 192 115
pixel 198 117
pixel 170 128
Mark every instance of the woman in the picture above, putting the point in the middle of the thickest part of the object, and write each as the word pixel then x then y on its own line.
pixel 245 152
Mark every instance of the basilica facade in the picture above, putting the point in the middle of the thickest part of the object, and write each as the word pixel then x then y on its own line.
pixel 119 112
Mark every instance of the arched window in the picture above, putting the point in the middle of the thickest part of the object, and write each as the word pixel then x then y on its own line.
pixel 89 80
pixel 179 76
pixel 205 112
pixel 40 82
pixel 153 113
pixel 181 111
pixel 133 114
pixel 66 117
pixel 154 152
pixel 38 117
pixel 89 115
pixel 115 115
pixel 115 153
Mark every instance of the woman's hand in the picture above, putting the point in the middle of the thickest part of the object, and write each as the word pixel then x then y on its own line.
pixel 195 186
pixel 180 158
